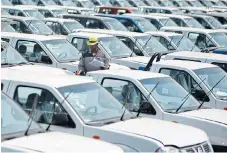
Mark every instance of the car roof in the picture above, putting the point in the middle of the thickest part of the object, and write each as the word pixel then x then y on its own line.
pixel 113 32
pixel 49 7
pixel 88 34
pixel 162 33
pixel 135 74
pixel 18 7
pixel 147 16
pixel 160 7
pixel 120 16
pixel 116 7
pixel 199 55
pixel 32 36
pixel 59 20
pixel 51 80
pixel 91 17
pixel 199 15
pixel 18 17
pixel 191 29
pixel 184 64
pixel 171 15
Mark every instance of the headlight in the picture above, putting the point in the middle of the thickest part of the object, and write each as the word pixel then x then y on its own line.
pixel 167 150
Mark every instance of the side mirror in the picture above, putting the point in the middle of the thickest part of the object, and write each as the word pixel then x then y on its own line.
pixel 147 108
pixel 60 119
pixel 201 95
pixel 46 59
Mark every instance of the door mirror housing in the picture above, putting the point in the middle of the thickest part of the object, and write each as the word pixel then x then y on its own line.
pixel 147 108
pixel 60 119
pixel 46 59
pixel 201 95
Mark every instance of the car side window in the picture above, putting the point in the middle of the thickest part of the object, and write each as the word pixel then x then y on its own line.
pixel 127 94
pixel 92 24
pixel 5 39
pixel 80 44
pixel 46 13
pixel 129 25
pixel 120 11
pixel 179 22
pixel 33 52
pixel 41 103
pixel 165 42
pixel 187 82
pixel 155 23
pixel 19 26
pixel 203 23
pixel 106 11
pixel 201 40
pixel 57 28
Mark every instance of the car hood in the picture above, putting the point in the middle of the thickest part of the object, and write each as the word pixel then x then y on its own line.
pixel 215 115
pixel 166 132
pixel 137 59
pixel 60 142
pixel 37 69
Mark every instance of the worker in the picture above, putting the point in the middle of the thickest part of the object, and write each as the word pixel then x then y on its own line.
pixel 93 59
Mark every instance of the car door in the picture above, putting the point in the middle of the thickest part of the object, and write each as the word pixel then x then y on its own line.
pixel 34 53
pixel 128 94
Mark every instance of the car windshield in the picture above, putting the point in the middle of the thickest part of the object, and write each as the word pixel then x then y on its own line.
pixel 39 27
pixel 59 12
pixel 213 76
pixel 220 38
pixel 196 3
pixel 145 25
pixel 49 2
pixel 73 25
pixel 10 56
pixel 139 2
pixel 183 43
pixel 183 4
pixel 34 14
pixel 170 100
pixel 191 22
pixel 167 3
pixel 208 3
pixel 13 119
pixel 6 2
pixel 29 2
pixel 62 50
pixel 67 3
pixel 87 4
pixel 6 27
pixel 150 44
pixel 105 2
pixel 214 22
pixel 100 107
pixel 168 23
pixel 114 24
pixel 115 47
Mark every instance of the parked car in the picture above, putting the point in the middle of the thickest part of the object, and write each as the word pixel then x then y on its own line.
pixel 157 21
pixel 154 93
pixel 158 9
pixel 99 116
pixel 203 38
pixel 174 41
pixel 133 24
pixel 63 26
pixel 219 60
pixel 142 44
pixel 117 10
pixel 23 11
pixel 208 22
pixel 19 133
pixel 182 20
pixel 95 22
pixel 28 25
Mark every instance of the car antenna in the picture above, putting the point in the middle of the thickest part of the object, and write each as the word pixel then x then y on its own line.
pixel 125 102
pixel 140 109
pixel 31 115
pixel 188 95
pixel 209 92
pixel 54 109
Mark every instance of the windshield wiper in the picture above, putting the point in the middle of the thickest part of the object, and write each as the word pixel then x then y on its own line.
pixel 209 92
pixel 31 116
pixel 54 109
pixel 140 108
pixel 188 95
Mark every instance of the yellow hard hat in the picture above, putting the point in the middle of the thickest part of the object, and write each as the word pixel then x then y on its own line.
pixel 92 41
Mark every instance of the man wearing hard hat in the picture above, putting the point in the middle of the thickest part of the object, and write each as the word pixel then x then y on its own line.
pixel 93 59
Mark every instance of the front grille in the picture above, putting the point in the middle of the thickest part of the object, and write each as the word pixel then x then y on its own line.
pixel 201 148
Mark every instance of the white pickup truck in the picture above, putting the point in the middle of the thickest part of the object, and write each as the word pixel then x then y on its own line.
pixel 160 97
pixel 21 134
pixel 216 59
pixel 85 108
pixel 56 51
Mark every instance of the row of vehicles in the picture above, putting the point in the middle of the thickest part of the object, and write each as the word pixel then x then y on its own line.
pixel 165 89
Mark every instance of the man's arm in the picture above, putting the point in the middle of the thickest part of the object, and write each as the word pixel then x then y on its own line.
pixel 81 66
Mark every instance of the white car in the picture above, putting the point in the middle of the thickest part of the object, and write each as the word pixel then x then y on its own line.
pixel 17 135
pixel 87 109
pixel 56 51
pixel 111 46
pixel 160 97
pixel 216 59
pixel 203 38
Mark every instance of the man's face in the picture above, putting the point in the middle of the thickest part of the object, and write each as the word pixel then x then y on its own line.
pixel 94 47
